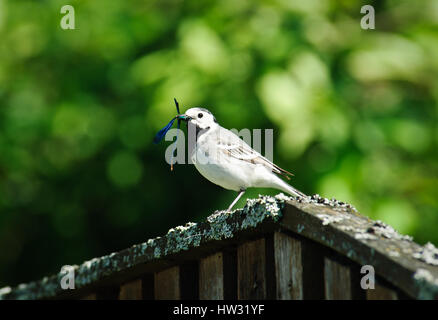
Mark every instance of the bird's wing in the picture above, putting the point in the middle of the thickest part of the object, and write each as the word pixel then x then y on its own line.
pixel 233 146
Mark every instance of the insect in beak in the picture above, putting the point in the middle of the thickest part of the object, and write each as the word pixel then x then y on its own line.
pixel 183 117
pixel 160 135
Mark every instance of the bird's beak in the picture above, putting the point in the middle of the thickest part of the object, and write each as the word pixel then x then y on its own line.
pixel 183 117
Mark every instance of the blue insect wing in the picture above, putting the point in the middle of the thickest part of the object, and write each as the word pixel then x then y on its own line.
pixel 160 135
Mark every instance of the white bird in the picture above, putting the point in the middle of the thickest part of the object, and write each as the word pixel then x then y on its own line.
pixel 226 160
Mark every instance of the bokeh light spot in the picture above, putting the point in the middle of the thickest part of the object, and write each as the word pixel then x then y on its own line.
pixel 124 169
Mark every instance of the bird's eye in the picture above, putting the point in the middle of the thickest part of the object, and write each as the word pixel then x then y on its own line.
pixel 200 115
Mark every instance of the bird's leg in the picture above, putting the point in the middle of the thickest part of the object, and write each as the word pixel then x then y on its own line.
pixel 235 200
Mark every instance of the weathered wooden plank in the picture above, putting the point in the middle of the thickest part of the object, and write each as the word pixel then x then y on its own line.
pixel 251 270
pixel 365 242
pixel 131 290
pixel 342 280
pixel 91 296
pixel 167 284
pixel 301 264
pixel 183 243
pixel 337 281
pixel 211 277
pixel 288 267
pixel 411 268
pixel 381 292
pixel 218 276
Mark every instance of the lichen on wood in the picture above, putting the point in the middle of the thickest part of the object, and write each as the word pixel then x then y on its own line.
pixel 219 226
pixel 331 223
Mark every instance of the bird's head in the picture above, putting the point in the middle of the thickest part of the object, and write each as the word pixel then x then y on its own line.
pixel 200 117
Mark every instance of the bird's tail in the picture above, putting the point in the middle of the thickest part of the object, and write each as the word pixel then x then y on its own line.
pixel 283 186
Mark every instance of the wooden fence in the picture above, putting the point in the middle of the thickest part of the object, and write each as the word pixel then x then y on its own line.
pixel 273 248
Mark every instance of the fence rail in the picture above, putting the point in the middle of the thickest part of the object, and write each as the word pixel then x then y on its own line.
pixel 273 248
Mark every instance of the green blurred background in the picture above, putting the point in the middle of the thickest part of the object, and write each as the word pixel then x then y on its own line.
pixel 354 114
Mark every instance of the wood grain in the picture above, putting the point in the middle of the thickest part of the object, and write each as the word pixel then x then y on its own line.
pixel 381 292
pixel 251 270
pixel 337 280
pixel 342 279
pixel 131 290
pixel 348 238
pixel 288 267
pixel 167 284
pixel 91 296
pixel 211 277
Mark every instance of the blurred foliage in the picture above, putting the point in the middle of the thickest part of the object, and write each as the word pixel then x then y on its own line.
pixel 354 114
